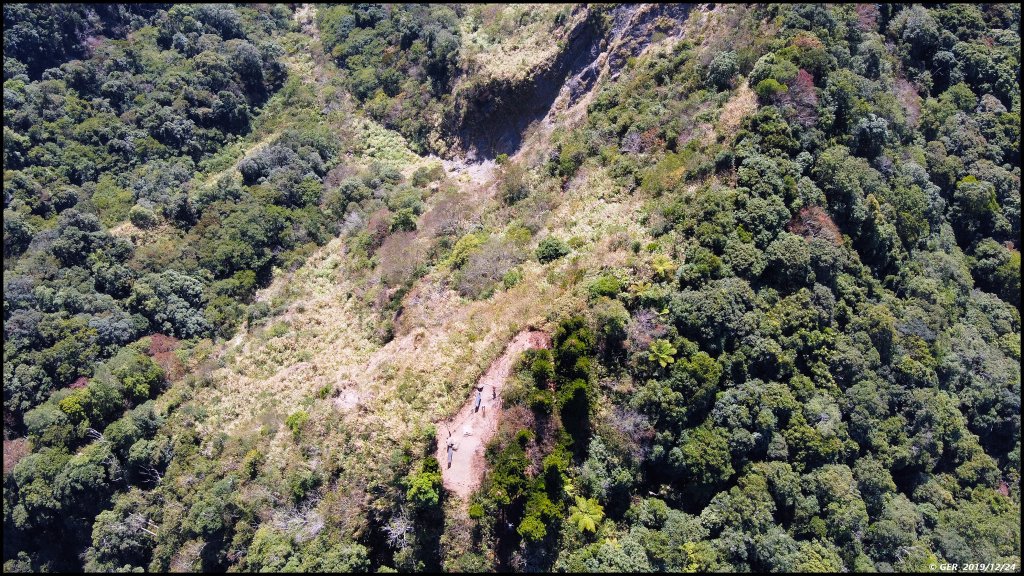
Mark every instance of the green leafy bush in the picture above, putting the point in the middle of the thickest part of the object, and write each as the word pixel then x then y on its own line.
pixel 550 249
pixel 296 422
pixel 608 286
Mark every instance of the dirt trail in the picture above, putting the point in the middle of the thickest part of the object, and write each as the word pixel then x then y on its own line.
pixel 478 172
pixel 472 429
pixel 305 17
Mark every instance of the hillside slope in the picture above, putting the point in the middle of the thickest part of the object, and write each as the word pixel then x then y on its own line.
pixel 745 280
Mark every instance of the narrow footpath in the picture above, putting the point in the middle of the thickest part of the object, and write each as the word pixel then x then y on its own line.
pixel 475 424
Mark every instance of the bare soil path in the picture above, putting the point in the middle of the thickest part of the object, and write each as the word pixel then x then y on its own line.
pixel 471 429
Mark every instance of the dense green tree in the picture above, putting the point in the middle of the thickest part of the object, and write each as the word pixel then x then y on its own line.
pixel 721 70
pixel 551 249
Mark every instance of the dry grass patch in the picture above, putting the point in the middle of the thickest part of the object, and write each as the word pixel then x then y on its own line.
pixel 741 104
pixel 382 399
pixel 512 40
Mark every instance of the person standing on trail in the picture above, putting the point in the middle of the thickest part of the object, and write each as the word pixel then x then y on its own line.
pixel 478 398
pixel 494 392
pixel 451 450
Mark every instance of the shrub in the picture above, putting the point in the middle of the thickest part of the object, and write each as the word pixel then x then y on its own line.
pixel 251 463
pixel 769 88
pixel 426 174
pixel 541 365
pixel 532 529
pixel 296 422
pixel 514 185
pixel 574 343
pixel 606 285
pixel 611 318
pixel 111 201
pixel 721 70
pixel 550 249
pixel 139 377
pixel 277 329
pixel 425 486
pixel 463 249
pixel 404 220
pixel 571 156
pixel 256 312
pixel 542 401
pixel 486 266
pixel 512 277
pixel 142 217
pixel 301 483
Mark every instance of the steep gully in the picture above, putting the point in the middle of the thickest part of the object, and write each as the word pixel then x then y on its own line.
pixel 491 118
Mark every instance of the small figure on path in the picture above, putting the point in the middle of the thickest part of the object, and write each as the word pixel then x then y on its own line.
pixel 477 401
pixel 494 392
pixel 451 450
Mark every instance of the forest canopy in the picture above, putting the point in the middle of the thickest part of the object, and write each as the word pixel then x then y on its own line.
pixel 794 347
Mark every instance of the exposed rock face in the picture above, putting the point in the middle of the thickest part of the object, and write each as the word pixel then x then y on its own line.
pixel 490 118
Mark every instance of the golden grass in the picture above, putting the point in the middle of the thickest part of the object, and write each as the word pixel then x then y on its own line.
pixel 240 151
pixel 511 41
pixel 741 104
pixel 388 395
pixel 384 397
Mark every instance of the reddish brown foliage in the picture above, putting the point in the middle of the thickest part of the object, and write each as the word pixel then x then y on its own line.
pixel 158 343
pixel 813 222
pixel 80 382
pixel 453 215
pixel 867 17
pixel 650 139
pixel 338 174
pixel 398 257
pixel 633 429
pixel 909 98
pixel 162 348
pixel 803 98
pixel 14 450
pixel 379 226
pixel 807 41
pixel 645 327
pixel 643 142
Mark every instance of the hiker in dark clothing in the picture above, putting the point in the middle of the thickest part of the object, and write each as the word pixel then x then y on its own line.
pixel 451 450
pixel 477 401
